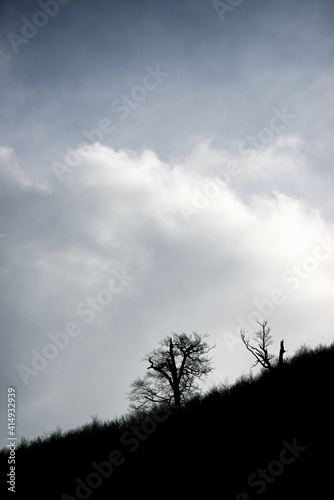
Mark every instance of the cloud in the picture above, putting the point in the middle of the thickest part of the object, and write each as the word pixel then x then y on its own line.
pixel 124 207
pixel 124 210
pixel 216 228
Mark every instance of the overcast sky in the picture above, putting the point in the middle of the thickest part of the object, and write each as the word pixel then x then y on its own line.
pixel 165 167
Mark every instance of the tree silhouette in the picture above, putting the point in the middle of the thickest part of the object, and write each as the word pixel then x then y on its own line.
pixel 260 351
pixel 173 371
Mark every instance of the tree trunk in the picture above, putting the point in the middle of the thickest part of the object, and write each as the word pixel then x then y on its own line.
pixel 267 360
pixel 281 354
pixel 177 395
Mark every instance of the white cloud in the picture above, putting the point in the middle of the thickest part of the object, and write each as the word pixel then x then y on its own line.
pixel 121 209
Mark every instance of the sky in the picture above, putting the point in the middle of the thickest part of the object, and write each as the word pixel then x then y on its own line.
pixel 165 167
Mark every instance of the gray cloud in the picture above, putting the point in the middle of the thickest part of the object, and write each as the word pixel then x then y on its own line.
pixel 175 195
pixel 122 212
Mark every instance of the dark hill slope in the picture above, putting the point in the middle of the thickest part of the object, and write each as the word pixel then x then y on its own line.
pixel 271 437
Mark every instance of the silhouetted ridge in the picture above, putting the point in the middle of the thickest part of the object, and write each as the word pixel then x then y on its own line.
pixel 268 436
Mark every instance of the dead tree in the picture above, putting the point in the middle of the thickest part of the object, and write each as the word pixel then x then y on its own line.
pixel 281 354
pixel 260 350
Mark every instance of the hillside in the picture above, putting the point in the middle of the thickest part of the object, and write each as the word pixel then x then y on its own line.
pixel 268 437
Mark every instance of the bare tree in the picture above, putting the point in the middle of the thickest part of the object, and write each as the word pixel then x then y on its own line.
pixel 281 354
pixel 260 350
pixel 173 371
